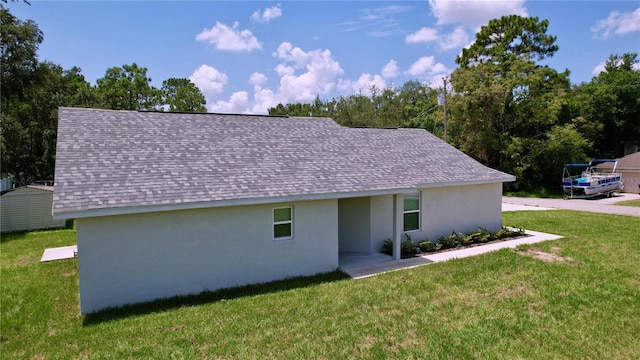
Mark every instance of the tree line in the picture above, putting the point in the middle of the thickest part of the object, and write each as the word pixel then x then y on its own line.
pixel 508 111
pixel 504 108
pixel 31 92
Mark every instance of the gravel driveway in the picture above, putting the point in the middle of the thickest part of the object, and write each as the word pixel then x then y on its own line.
pixel 598 205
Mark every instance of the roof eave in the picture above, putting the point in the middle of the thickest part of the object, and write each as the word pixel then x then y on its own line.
pixel 127 210
pixel 506 178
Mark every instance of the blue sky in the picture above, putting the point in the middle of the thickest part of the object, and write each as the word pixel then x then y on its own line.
pixel 247 56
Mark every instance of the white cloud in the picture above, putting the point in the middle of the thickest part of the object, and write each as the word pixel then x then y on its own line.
pixel 209 80
pixel 257 78
pixel 364 84
pixel 456 39
pixel 263 100
pixel 382 12
pixel 268 14
pixel 303 76
pixel 229 38
pixel 601 67
pixel 379 21
pixel 474 13
pixel 427 69
pixel 319 76
pixel 617 23
pixel 423 35
pixel 238 104
pixel 391 70
pixel 287 52
pixel 283 70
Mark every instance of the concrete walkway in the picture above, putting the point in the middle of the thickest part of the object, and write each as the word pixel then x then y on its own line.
pixel 360 266
pixel 59 253
pixel 598 205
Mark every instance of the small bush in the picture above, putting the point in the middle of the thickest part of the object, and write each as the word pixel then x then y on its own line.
pixel 407 248
pixel 427 246
pixel 450 241
pixel 387 247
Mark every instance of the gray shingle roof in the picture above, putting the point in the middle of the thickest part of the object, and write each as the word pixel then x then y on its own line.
pixel 121 159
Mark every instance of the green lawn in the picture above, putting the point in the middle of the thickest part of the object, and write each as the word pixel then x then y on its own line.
pixel 629 202
pixel 502 305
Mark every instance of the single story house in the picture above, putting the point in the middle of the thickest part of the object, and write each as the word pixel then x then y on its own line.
pixel 629 167
pixel 174 203
pixel 28 208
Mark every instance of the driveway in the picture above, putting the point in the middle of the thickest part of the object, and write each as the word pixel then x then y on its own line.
pixel 597 205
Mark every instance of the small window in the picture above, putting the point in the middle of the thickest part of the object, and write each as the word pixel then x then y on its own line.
pixel 283 223
pixel 412 212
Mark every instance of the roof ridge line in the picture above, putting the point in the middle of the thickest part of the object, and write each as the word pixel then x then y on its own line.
pixel 210 113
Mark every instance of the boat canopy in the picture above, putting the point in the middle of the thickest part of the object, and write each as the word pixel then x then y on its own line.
pixel 576 165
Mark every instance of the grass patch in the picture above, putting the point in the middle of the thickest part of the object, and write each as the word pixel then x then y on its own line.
pixel 538 193
pixel 505 304
pixel 629 203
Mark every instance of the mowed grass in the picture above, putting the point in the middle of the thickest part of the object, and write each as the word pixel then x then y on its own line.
pixel 629 202
pixel 501 305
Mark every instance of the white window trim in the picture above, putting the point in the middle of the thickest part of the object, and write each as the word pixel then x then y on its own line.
pixel 274 223
pixel 413 211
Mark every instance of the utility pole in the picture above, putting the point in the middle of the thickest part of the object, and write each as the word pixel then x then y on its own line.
pixel 444 80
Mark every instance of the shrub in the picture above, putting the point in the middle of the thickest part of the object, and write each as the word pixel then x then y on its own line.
pixel 450 241
pixel 387 247
pixel 427 246
pixel 506 232
pixel 407 248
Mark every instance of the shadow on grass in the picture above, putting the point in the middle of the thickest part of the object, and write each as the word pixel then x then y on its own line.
pixel 206 297
pixel 6 237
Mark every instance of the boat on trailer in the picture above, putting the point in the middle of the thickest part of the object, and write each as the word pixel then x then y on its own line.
pixel 586 180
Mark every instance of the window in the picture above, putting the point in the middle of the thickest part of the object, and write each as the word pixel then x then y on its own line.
pixel 283 223
pixel 412 212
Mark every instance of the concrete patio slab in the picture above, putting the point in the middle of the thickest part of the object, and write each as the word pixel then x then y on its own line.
pixel 59 253
pixel 360 266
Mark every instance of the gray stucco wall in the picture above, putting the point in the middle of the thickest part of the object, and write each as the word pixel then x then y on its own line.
pixel 463 208
pixel 381 221
pixel 443 209
pixel 134 258
pixel 354 224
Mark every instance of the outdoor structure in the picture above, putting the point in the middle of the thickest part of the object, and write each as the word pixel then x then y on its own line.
pixel 6 183
pixel 629 167
pixel 172 203
pixel 28 208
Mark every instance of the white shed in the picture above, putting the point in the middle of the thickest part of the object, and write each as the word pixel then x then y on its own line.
pixel 28 208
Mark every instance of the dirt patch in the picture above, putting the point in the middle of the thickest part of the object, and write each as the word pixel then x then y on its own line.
pixel 544 256
pixel 512 292
pixel 26 260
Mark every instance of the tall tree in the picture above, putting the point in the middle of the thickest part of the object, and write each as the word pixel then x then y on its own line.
pixel 180 94
pixel 614 103
pixel 509 37
pixel 128 88
pixel 420 107
pixel 505 102
pixel 19 42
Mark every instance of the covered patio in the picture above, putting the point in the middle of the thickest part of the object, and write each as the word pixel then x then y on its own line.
pixel 362 265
